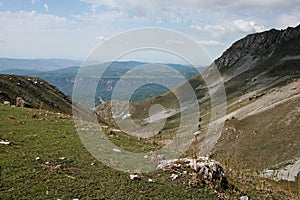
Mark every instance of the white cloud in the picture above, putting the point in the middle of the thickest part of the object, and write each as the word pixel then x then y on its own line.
pixel 174 42
pixel 30 17
pixel 30 20
pixel 209 28
pixel 291 19
pixel 33 34
pixel 262 4
pixel 46 7
pixel 214 23
pixel 106 17
pixel 211 43
pixel 141 19
pixel 101 38
pixel 247 26
pixel 150 6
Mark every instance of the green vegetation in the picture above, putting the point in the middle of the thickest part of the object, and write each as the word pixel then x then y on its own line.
pixel 65 169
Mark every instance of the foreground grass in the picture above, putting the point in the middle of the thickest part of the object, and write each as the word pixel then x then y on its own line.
pixel 65 169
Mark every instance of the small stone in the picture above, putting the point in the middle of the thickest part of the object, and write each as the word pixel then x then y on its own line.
pixel 197 133
pixel 174 177
pixel 134 176
pixel 37 158
pixel 117 150
pixel 150 180
pixel 61 158
pixel 244 198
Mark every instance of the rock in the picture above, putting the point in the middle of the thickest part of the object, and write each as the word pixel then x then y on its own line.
pixel 244 198
pixel 207 170
pixel 11 117
pixel 150 180
pixel 117 150
pixel 134 177
pixel 2 141
pixel 7 103
pixel 37 158
pixel 5 143
pixel 174 177
pixel 197 133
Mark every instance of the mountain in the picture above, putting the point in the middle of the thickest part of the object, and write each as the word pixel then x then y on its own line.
pixel 36 64
pixel 261 77
pixel 64 78
pixel 260 138
pixel 34 91
pixel 261 60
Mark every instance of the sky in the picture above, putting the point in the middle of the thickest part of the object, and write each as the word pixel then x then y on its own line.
pixel 73 28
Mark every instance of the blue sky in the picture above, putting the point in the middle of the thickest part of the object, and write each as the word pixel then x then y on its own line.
pixel 72 28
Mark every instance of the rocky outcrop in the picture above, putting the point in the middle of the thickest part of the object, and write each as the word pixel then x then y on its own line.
pixel 261 60
pixel 201 170
pixel 257 44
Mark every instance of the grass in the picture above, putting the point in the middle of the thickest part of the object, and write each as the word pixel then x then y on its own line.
pixel 264 139
pixel 246 181
pixel 66 170
pixel 78 175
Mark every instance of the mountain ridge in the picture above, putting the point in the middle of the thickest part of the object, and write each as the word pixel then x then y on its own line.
pixel 34 64
pixel 36 93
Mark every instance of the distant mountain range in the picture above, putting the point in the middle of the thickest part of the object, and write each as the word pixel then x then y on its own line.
pixel 64 78
pixel 36 64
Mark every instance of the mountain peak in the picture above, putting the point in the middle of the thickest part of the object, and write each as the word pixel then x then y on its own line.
pixel 257 44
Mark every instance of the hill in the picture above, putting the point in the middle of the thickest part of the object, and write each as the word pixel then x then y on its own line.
pixel 36 93
pixel 260 137
pixel 261 76
pixel 47 160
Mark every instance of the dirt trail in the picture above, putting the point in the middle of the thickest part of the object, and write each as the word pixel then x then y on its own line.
pixel 271 99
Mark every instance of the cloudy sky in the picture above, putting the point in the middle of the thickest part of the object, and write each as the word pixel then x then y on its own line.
pixel 72 28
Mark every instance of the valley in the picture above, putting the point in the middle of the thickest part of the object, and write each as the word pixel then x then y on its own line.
pixel 255 139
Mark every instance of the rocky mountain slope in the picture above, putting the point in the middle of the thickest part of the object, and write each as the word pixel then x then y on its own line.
pixel 36 93
pixel 261 76
pixel 261 60
pixel 255 63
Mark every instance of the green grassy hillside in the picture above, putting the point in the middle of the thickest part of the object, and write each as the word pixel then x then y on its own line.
pixel 36 93
pixel 48 161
